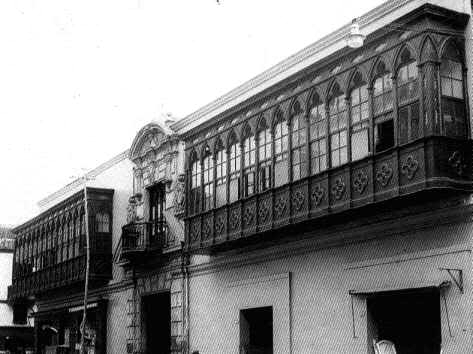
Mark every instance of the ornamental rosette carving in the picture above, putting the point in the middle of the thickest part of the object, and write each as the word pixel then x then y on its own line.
pixel 234 219
pixel 194 232
pixel 318 194
pixel 338 188
pixel 410 167
pixel 384 174
pixel 220 225
pixel 298 200
pixel 280 206
pixel 360 182
pixel 206 230
pixel 456 163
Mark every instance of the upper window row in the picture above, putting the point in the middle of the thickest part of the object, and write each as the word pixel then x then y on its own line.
pixel 328 135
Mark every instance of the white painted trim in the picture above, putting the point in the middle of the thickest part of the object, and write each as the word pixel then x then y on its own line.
pixel 258 280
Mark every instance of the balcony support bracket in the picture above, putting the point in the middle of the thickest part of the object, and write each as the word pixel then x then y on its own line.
pixel 456 275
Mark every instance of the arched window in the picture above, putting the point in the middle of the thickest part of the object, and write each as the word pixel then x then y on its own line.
pixel 453 104
pixel 235 165
pixel 194 197
pixel 249 160
pixel 298 131
pixel 70 238
pixel 264 155
pixel 221 175
pixel 408 98
pixel 338 127
pixel 208 174
pixel 281 147
pixel 383 104
pixel 318 135
pixel 64 242
pixel 359 118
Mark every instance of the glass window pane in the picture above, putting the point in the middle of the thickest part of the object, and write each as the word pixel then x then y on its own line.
pixel 359 145
pixel 457 89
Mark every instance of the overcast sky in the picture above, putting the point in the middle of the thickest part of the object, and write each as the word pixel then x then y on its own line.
pixel 79 78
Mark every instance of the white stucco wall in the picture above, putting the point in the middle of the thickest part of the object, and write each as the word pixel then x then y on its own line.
pixel 309 291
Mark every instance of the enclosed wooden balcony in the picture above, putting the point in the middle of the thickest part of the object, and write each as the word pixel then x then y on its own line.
pixel 365 127
pixel 50 250
pixel 428 164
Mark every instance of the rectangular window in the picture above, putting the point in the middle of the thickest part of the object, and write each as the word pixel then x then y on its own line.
pixel 234 184
pixel 281 168
pixel 256 330
pixel 221 182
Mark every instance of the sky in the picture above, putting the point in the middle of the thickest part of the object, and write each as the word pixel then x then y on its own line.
pixel 78 79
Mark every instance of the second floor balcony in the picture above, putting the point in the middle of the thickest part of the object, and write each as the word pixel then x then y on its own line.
pixel 143 238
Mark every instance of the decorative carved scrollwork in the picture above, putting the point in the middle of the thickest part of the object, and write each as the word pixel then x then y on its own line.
pixel 179 200
pixel 280 206
pixel 384 175
pixel 338 189
pixel 263 212
pixel 318 194
pixel 298 200
pixel 410 167
pixel 360 182
pixel 248 215
pixel 457 163
pixel 234 219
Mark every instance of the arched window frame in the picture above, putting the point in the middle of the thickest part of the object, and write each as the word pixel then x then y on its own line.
pixel 298 141
pixel 359 118
pixel 383 108
pixel 452 91
pixel 220 174
pixel 408 92
pixel 317 134
pixel 338 124
pixel 281 149
pixel 195 184
pixel 207 179
pixel 234 160
pixel 265 154
pixel 249 162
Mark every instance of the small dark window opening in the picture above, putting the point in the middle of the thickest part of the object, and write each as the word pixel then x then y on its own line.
pixel 20 313
pixel 256 330
pixel 410 319
pixel 384 135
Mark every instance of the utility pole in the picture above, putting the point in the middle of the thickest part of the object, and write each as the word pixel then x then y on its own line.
pixel 87 266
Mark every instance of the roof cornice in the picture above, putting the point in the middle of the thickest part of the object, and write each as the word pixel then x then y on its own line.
pixel 327 45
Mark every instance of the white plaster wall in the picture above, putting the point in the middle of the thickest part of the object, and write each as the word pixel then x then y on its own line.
pixel 117 322
pixel 319 301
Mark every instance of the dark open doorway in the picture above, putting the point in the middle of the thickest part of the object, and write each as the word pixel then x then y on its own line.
pixel 256 331
pixel 411 320
pixel 156 310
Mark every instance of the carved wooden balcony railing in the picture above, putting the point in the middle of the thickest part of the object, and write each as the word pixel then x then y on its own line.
pixel 66 273
pixel 429 163
pixel 141 237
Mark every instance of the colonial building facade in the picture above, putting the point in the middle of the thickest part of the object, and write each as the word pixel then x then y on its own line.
pixel 151 243
pixel 328 199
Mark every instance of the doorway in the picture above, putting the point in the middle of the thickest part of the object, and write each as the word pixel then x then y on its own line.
pixel 156 310
pixel 411 320
pixel 157 205
pixel 256 331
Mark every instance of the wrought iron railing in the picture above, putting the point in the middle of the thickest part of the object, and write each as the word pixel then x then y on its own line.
pixel 143 236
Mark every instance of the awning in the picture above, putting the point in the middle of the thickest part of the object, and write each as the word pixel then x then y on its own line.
pixel 67 307
pixel 416 286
